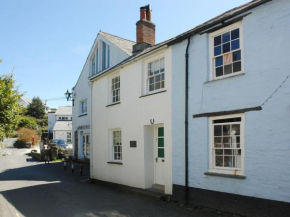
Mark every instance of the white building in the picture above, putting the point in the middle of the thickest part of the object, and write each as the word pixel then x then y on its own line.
pixel 63 124
pixel 107 51
pixel 131 116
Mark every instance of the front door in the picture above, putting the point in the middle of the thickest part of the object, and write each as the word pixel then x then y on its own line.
pixel 159 155
pixel 86 145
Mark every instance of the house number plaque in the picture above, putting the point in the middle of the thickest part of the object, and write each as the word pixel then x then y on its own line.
pixel 133 144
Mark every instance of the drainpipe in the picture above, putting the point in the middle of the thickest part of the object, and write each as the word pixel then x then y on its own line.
pixel 186 121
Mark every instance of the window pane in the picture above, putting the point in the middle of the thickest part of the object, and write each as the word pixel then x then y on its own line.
pixel 237 66
pixel 219 151
pixel 219 161
pixel 162 65
pixel 151 87
pixel 161 152
pixel 228 151
pixel 226 130
pixel 227 140
pixel 160 142
pixel 226 37
pixel 162 84
pixel 217 40
pixel 228 58
pixel 235 34
pixel 157 85
pixel 217 50
pixel 218 61
pixel 235 129
pixel 157 78
pixel 218 130
pixel 151 80
pixel 219 71
pixel 237 56
pixel 217 141
pixel 150 70
pixel 160 131
pixel 163 77
pixel 235 44
pixel 227 161
pixel 226 47
pixel 156 67
pixel 228 69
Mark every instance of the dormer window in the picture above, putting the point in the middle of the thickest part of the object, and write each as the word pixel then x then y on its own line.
pixel 94 65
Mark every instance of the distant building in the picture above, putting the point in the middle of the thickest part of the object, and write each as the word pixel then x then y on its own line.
pixel 26 101
pixel 62 128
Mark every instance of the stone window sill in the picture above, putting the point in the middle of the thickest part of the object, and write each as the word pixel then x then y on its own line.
pixel 117 103
pixel 153 93
pixel 115 162
pixel 83 114
pixel 221 79
pixel 224 175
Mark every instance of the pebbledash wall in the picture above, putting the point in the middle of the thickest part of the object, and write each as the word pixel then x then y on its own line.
pixel 82 91
pixel 132 115
pixel 266 59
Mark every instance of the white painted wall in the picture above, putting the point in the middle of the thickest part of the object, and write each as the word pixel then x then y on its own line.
pixel 58 134
pixel 132 116
pixel 266 34
pixel 51 121
pixel 82 90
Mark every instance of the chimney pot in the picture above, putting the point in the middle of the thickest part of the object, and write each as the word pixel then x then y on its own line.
pixel 145 34
pixel 142 13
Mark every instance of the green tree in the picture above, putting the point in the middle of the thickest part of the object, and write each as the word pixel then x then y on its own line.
pixel 10 110
pixel 36 108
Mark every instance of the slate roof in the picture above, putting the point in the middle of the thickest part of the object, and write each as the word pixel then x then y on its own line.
pixel 196 30
pixel 63 110
pixel 63 125
pixel 124 44
pixel 26 100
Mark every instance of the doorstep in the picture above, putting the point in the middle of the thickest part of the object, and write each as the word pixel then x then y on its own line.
pixel 150 192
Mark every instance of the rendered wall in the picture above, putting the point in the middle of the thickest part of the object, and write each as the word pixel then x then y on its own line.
pixel 266 34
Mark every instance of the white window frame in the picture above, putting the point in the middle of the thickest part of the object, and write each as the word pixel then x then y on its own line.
pixel 227 170
pixel 116 89
pixel 105 62
pixel 211 50
pixel 69 138
pixel 82 112
pixel 147 77
pixel 85 135
pixel 112 146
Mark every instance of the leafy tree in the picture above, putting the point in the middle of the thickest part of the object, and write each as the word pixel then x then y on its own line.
pixel 36 108
pixel 10 110
pixel 27 122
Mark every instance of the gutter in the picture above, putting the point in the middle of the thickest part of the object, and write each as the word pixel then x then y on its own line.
pixel 186 120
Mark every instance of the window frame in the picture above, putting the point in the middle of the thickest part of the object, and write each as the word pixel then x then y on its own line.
pixel 112 91
pixel 111 146
pixel 225 170
pixel 147 77
pixel 81 108
pixel 211 50
pixel 69 138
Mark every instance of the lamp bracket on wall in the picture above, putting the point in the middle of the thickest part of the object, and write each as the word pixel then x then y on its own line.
pixel 152 121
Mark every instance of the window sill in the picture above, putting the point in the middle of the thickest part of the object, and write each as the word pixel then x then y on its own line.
pixel 162 91
pixel 218 79
pixel 115 162
pixel 225 175
pixel 113 104
pixel 83 114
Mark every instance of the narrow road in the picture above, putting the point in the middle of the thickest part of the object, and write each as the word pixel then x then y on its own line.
pixel 34 189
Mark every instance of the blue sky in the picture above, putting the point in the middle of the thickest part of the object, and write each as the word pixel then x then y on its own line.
pixel 48 41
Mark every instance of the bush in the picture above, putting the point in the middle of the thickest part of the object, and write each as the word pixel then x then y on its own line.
pixel 25 135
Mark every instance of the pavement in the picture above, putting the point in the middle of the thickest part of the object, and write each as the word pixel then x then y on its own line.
pixel 35 189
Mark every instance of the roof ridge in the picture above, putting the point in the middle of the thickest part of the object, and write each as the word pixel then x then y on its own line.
pixel 118 37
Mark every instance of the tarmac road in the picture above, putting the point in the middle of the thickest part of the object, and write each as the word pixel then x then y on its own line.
pixel 35 189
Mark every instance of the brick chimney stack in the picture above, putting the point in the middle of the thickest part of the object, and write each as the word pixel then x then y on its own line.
pixel 145 31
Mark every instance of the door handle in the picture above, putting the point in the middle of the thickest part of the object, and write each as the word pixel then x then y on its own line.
pixel 156 159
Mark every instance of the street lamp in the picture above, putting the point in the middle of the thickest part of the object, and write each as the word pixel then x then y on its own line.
pixel 68 97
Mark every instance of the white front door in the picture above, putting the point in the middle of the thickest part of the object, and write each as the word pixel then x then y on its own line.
pixel 159 155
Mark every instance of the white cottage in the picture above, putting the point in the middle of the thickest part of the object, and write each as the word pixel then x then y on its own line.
pixel 106 52
pixel 63 124
pixel 131 116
